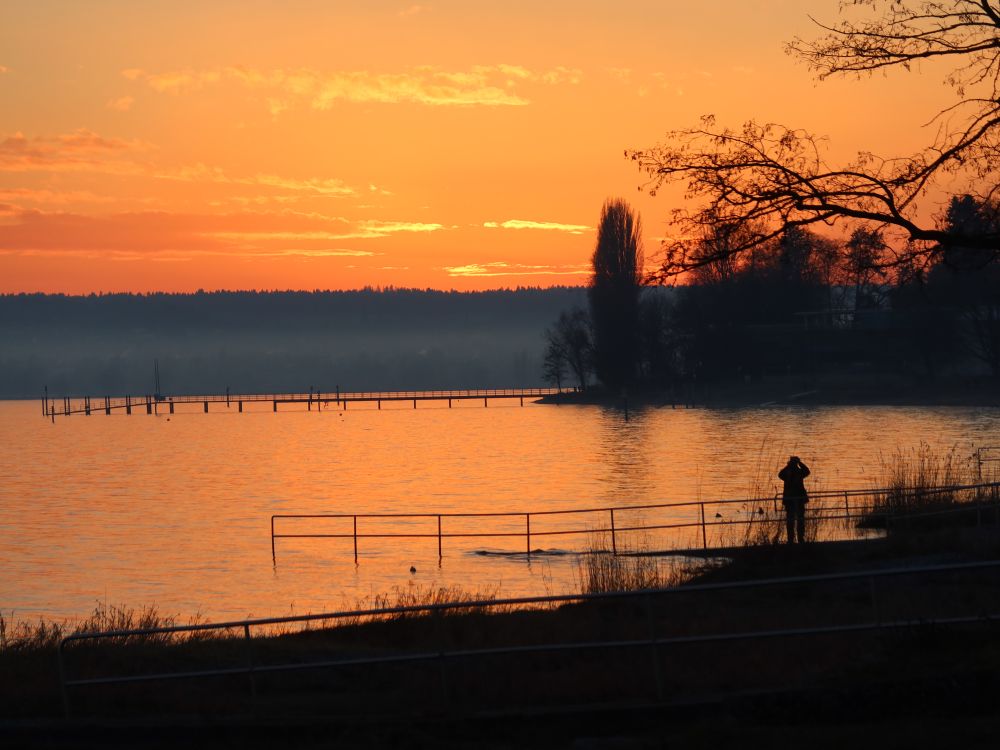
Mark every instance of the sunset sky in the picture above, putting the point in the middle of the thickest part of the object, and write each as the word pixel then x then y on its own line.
pixel 332 145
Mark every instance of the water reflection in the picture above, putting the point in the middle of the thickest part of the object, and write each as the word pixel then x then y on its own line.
pixel 145 510
pixel 627 456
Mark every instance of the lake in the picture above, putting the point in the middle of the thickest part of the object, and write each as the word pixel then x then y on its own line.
pixel 174 511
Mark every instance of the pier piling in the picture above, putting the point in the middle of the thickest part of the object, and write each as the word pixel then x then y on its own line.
pixel 87 405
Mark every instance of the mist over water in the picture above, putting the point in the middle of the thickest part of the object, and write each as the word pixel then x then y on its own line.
pixel 174 511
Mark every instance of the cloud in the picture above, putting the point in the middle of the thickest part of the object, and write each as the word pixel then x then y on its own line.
pixel 121 104
pixel 390 227
pixel 320 187
pixel 412 11
pixel 85 150
pixel 483 85
pixel 500 268
pixel 158 234
pixel 52 197
pixel 80 149
pixel 544 225
pixel 362 230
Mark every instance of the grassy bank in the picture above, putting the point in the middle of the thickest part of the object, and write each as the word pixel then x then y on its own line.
pixel 699 673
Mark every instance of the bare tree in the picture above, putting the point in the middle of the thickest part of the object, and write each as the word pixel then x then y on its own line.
pixel 568 344
pixel 776 176
pixel 556 360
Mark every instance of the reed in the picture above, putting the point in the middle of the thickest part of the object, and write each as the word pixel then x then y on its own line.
pixel 923 480
pixel 633 568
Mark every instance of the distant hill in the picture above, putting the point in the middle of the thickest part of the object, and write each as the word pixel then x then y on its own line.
pixel 275 341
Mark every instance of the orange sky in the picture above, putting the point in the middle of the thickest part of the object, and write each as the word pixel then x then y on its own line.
pixel 311 145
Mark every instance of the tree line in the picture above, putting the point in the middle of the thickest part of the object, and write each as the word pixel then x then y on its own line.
pixel 786 263
pixel 797 303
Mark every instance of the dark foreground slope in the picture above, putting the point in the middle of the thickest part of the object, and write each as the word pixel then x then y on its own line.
pixel 907 685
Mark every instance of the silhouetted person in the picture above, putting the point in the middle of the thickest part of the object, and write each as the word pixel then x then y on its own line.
pixel 794 497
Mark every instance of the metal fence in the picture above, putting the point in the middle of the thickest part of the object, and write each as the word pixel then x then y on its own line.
pixel 250 668
pixel 828 506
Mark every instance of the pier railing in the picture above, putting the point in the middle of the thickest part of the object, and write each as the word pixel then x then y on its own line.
pixel 705 518
pixel 153 403
pixel 253 668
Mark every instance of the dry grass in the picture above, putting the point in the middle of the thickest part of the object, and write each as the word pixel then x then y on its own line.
pixel 634 568
pixel 920 481
pixel 44 635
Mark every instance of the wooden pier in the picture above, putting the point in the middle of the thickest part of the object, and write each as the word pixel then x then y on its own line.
pixel 318 400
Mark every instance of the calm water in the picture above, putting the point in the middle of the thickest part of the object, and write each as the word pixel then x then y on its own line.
pixel 174 511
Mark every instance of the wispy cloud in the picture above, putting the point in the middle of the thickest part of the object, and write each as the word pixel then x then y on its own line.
pixel 313 186
pixel 484 85
pixel 412 10
pixel 121 104
pixel 243 234
pixel 390 227
pixel 552 226
pixel 84 150
pixel 500 268
pixel 362 230
pixel 42 196
pixel 80 149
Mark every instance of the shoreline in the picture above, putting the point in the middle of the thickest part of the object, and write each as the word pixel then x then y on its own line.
pixel 782 392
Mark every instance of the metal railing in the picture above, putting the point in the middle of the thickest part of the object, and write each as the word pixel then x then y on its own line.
pixel 825 506
pixel 250 668
pixel 986 455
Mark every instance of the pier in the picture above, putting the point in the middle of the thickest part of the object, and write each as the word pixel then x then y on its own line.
pixel 313 400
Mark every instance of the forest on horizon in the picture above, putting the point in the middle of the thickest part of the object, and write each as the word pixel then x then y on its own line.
pixel 275 341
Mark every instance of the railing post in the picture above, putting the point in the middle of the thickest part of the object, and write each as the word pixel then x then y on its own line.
pixel 847 507
pixel 614 543
pixel 874 596
pixel 527 532
pixel 355 540
pixel 253 681
pixel 704 533
pixel 63 687
pixel 439 536
pixel 656 651
pixel 442 660
pixel 273 559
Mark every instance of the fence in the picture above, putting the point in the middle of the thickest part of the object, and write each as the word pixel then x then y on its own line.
pixel 250 668
pixel 989 454
pixel 824 507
